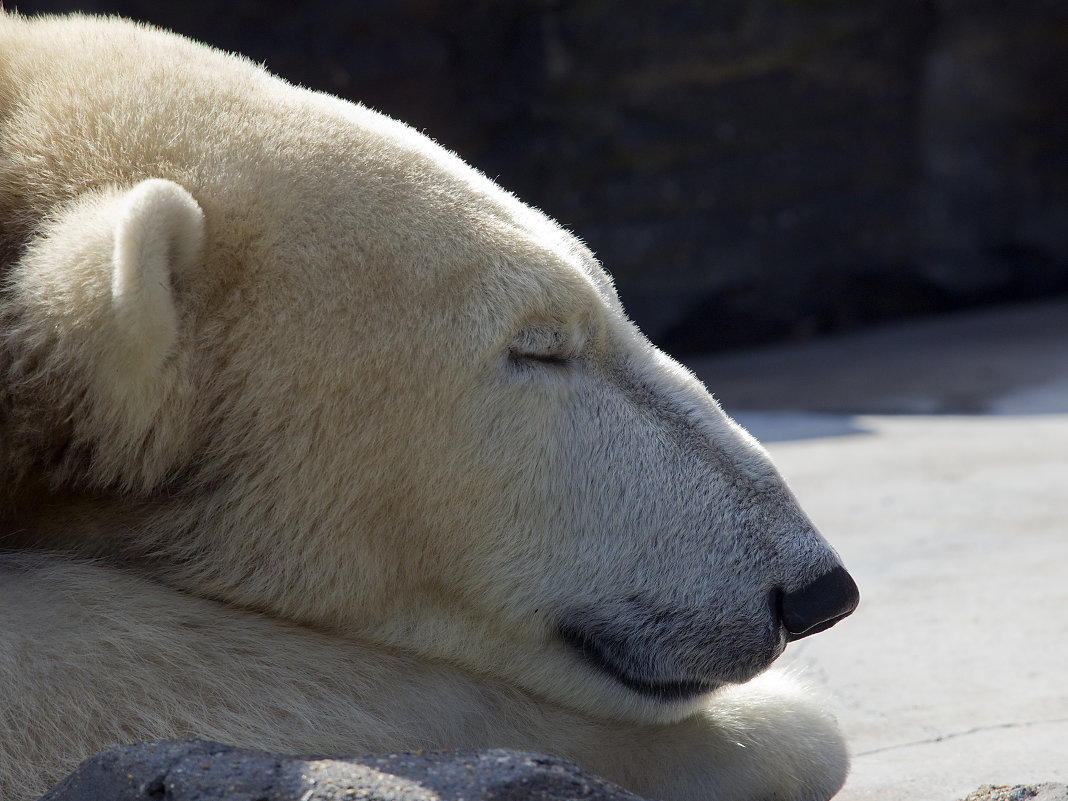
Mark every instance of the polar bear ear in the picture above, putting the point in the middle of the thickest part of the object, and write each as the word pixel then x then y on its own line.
pixel 158 234
pixel 95 320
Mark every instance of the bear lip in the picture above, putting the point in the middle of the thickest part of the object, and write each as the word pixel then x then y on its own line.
pixel 595 655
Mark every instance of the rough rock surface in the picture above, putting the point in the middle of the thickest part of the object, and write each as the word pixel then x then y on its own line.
pixel 1020 792
pixel 195 770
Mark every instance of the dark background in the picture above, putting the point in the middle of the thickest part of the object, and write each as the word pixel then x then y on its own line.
pixel 749 170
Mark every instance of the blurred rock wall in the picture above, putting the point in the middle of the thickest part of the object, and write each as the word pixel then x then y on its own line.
pixel 749 170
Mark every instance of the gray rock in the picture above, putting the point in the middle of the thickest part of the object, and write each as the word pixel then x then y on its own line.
pixel 1020 792
pixel 196 770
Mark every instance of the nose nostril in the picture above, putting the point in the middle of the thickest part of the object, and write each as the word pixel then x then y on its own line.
pixel 818 605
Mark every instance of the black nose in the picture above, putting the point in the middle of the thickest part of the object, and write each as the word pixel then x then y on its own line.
pixel 818 605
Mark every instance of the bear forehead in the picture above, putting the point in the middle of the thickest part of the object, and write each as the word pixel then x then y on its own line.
pixel 92 104
pixel 292 171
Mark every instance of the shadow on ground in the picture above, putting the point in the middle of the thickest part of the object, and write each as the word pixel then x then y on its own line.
pixel 1011 360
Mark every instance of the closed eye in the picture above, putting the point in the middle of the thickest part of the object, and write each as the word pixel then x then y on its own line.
pixel 543 346
pixel 556 359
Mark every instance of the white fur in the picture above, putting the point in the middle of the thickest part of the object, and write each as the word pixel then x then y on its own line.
pixel 159 230
pixel 351 451
pixel 168 665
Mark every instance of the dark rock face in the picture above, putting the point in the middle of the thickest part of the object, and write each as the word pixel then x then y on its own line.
pixel 195 770
pixel 749 170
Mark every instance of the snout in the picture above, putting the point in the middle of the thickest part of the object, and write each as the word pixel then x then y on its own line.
pixel 818 605
pixel 671 654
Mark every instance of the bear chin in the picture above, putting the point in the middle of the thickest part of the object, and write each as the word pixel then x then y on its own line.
pixel 600 658
pixel 670 665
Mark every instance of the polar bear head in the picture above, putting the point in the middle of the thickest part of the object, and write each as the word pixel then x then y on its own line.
pixel 279 350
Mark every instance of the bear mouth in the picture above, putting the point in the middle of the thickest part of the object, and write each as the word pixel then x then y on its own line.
pixel 602 656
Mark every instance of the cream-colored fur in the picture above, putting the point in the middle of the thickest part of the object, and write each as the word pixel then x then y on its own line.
pixel 316 440
pixel 128 660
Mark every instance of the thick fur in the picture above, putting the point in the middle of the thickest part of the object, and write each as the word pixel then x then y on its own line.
pixel 316 440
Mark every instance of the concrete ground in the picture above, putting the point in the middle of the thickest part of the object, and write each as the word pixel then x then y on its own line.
pixel 934 456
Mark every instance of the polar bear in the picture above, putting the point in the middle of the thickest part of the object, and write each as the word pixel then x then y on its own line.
pixel 313 439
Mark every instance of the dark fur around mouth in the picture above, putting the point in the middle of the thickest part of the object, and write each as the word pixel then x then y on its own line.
pixel 597 656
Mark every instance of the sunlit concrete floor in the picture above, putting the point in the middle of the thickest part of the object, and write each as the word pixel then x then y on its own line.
pixel 934 456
